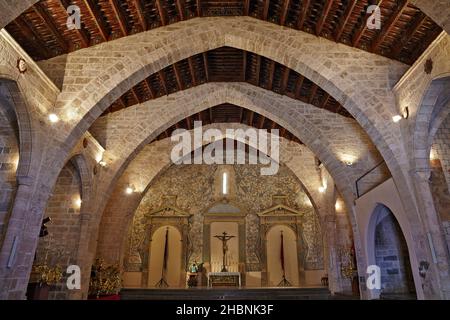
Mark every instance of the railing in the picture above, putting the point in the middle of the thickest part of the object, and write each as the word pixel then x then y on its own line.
pixel 372 178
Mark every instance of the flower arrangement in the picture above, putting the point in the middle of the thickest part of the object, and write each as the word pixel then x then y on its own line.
pixel 105 279
pixel 48 275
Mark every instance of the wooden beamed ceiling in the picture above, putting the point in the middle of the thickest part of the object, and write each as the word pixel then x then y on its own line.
pixel 228 113
pixel 406 32
pixel 228 64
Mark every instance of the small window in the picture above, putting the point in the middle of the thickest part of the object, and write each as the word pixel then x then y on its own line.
pixel 225 183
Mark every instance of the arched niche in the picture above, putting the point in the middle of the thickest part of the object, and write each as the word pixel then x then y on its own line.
pixel 387 249
pixel 224 216
pixel 165 267
pixel 151 252
pixel 276 235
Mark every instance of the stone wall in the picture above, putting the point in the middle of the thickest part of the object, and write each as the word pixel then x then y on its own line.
pixel 55 68
pixel 391 255
pixel 61 245
pixel 194 187
pixel 9 10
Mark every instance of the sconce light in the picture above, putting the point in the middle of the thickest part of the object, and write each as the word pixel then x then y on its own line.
pixel 404 115
pixel 78 202
pixel 53 118
pixel 338 205
pixel 102 163
pixel 129 190
pixel 322 189
pixel 397 118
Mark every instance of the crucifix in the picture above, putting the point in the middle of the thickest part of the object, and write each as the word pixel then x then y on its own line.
pixel 224 238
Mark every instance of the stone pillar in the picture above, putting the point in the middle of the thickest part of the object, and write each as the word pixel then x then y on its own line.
pixel 20 242
pixel 331 256
pixel 84 260
pixel 436 280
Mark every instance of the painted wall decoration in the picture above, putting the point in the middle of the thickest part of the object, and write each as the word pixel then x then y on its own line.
pixel 195 188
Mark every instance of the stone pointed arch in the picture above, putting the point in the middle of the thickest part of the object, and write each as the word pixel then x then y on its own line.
pixel 21 113
pixel 120 209
pixel 433 110
pixel 149 52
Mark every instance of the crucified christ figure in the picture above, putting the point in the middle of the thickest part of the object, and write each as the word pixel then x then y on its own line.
pixel 224 238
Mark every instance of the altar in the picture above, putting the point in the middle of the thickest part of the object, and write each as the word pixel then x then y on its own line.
pixel 224 279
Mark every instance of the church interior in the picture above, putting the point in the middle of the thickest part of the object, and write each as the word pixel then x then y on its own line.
pixel 96 94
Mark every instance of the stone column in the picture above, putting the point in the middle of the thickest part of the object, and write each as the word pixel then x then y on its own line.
pixel 331 256
pixel 84 260
pixel 436 280
pixel 20 242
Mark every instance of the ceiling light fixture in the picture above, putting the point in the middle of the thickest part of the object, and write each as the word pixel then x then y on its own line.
pixel 53 118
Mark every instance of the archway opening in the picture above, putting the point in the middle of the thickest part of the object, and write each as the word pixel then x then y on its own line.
pixel 391 256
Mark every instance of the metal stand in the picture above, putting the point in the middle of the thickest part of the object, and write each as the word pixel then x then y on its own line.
pixel 284 282
pixel 162 283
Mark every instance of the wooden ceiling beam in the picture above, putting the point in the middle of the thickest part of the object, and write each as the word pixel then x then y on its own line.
pixel 141 16
pixel 343 21
pixel 298 86
pixel 271 74
pixel 162 78
pixel 282 132
pixel 49 23
pixel 303 13
pixel 28 31
pixel 246 7
pixel 82 34
pixel 188 122
pixel 135 95
pixel 362 28
pixel 98 19
pixel 387 26
pixel 325 100
pixel 273 125
pixel 122 102
pixel 265 12
pixel 285 80
pixel 180 9
pixel 313 92
pixel 205 64
pixel 244 65
pixel 432 33
pixel 241 115
pixel 250 118
pixel 211 118
pixel 192 71
pixel 284 11
pixel 162 16
pixel 415 25
pixel 149 88
pixel 178 77
pixel 199 8
pixel 261 121
pixel 323 18
pixel 258 69
pixel 121 19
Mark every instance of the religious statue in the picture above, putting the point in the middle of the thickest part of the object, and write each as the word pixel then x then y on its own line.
pixel 224 238
pixel 194 267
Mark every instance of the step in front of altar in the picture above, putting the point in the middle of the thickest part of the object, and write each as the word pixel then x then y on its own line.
pixel 316 293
